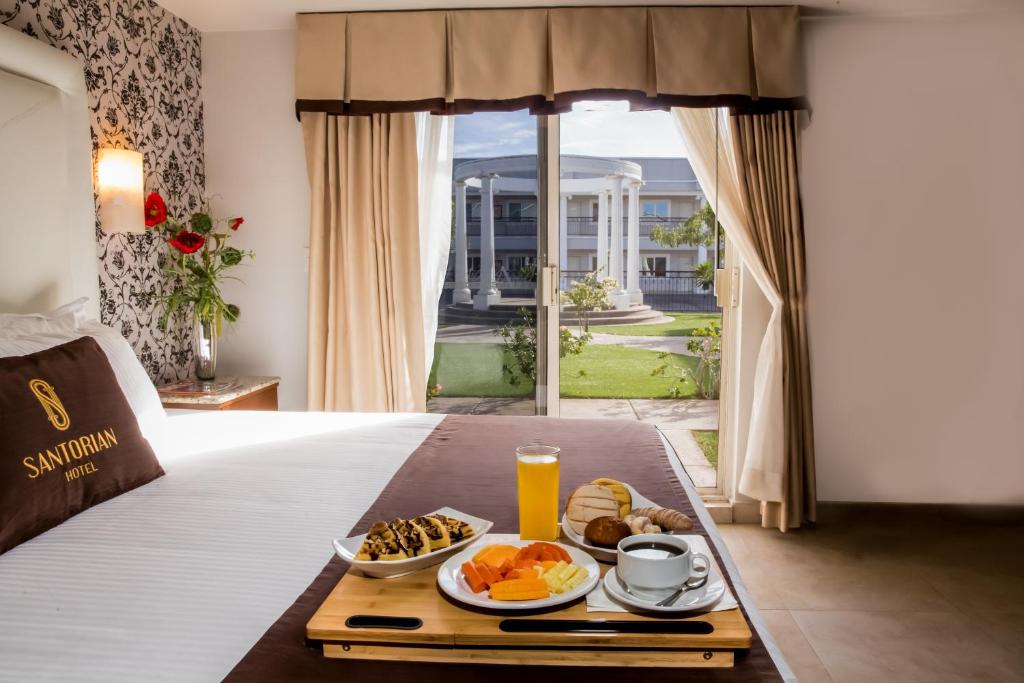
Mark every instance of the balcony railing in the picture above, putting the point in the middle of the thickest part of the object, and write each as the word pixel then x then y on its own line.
pixel 505 227
pixel 585 226
pixel 576 226
pixel 669 290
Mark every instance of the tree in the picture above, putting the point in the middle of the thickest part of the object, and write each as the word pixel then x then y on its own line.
pixel 696 230
pixel 704 275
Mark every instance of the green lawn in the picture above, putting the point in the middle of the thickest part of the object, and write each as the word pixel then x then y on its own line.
pixel 472 370
pixel 598 372
pixel 708 441
pixel 682 325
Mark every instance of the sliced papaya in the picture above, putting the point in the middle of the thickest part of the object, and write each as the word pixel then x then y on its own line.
pixel 473 578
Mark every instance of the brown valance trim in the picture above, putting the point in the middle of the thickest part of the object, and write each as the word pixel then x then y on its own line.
pixel 465 61
pixel 537 105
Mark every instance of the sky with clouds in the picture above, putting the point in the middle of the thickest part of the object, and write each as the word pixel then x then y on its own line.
pixel 598 129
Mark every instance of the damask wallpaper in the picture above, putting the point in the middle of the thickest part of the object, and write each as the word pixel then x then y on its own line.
pixel 142 70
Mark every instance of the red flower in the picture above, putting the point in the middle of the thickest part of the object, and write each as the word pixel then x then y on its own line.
pixel 235 222
pixel 187 242
pixel 156 210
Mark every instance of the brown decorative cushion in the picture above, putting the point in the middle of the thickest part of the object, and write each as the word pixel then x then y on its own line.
pixel 68 439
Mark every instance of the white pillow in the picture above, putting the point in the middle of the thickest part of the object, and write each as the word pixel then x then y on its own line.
pixel 64 317
pixel 131 376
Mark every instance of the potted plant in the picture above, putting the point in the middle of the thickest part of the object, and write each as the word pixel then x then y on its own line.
pixel 197 261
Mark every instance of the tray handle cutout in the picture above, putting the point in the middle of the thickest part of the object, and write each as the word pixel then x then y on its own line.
pixel 379 621
pixel 604 626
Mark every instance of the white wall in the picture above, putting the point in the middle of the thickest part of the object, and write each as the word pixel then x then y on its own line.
pixel 255 163
pixel 913 178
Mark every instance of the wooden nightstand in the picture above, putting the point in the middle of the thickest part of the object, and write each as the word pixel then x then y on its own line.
pixel 224 393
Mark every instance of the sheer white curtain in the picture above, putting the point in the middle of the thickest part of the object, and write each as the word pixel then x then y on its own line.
pixel 764 465
pixel 434 139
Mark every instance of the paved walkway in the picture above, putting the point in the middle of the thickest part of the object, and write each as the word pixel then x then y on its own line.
pixel 675 418
pixel 659 344
pixel 468 334
pixel 484 334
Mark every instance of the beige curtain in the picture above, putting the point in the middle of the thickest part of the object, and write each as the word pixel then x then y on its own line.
pixel 366 338
pixel 766 147
pixel 772 453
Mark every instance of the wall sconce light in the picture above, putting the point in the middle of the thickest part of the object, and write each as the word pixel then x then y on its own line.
pixel 119 179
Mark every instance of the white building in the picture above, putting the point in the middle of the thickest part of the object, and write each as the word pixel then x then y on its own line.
pixel 498 198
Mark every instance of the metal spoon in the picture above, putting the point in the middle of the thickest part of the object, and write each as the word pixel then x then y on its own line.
pixel 689 585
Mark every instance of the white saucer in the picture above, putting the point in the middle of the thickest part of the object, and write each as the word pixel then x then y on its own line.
pixel 690 601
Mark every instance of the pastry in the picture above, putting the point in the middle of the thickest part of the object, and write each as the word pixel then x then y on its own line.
pixel 590 501
pixel 457 529
pixel 639 524
pixel 606 532
pixel 381 543
pixel 436 530
pixel 672 520
pixel 621 494
pixel 413 538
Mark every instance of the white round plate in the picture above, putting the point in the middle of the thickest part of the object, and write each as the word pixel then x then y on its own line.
pixel 603 554
pixel 690 601
pixel 453 583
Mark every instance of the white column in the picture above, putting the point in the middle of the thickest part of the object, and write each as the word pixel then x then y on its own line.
pixel 488 294
pixel 619 297
pixel 602 234
pixel 633 246
pixel 563 233
pixel 461 293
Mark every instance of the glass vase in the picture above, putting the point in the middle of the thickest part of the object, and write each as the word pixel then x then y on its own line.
pixel 206 349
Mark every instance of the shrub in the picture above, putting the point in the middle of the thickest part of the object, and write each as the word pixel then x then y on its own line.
pixel 589 294
pixel 520 345
pixel 706 344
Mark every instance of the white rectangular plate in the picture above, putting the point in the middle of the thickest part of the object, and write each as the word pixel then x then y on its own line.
pixel 348 547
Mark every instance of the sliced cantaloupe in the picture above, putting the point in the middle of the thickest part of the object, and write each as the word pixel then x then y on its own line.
pixel 496 555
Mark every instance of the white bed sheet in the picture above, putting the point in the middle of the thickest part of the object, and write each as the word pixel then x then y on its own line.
pixel 191 569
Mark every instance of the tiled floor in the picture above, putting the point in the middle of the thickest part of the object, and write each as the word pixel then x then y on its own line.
pixel 891 599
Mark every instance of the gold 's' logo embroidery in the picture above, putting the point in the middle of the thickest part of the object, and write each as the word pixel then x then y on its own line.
pixel 55 411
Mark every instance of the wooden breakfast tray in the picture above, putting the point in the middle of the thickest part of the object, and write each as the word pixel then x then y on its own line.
pixel 454 633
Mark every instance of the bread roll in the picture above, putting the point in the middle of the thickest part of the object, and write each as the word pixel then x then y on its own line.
pixel 621 494
pixel 606 532
pixel 590 501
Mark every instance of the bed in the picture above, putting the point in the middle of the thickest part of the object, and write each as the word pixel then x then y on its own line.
pixel 178 580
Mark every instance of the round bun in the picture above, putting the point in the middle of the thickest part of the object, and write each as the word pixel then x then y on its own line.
pixel 606 532
pixel 590 501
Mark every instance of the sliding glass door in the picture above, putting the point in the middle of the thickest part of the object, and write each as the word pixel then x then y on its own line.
pixel 485 353
pixel 580 279
pixel 640 335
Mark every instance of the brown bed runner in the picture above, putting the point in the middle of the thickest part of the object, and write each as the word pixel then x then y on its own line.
pixel 468 463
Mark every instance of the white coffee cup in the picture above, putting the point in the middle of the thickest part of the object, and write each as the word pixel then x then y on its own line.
pixel 654 565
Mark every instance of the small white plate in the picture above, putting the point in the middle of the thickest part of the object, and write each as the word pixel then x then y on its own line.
pixel 690 601
pixel 383 569
pixel 453 583
pixel 603 554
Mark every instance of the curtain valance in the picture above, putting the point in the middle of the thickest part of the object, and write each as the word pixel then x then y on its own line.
pixel 462 61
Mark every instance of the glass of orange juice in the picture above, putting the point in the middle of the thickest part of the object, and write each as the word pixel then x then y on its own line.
pixel 537 472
